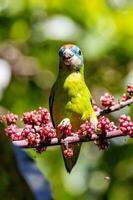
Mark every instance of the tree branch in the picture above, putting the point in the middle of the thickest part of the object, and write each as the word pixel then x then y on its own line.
pixel 72 139
pixel 116 107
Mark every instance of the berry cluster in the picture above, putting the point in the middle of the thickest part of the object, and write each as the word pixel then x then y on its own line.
pixel 37 127
pixel 126 125
pixel 11 118
pixel 68 153
pixel 47 132
pixel 86 129
pixel 41 116
pixel 104 125
pixel 107 100
pixel 124 97
pixel 13 132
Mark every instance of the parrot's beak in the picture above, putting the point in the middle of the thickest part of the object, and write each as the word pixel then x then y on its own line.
pixel 67 55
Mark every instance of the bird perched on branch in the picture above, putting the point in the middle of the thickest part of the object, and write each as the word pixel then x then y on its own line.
pixel 70 97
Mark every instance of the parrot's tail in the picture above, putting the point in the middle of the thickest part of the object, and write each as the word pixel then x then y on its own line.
pixel 70 162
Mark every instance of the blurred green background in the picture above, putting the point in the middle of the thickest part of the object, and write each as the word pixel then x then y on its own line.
pixel 31 32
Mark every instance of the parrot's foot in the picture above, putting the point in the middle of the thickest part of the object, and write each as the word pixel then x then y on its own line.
pixel 62 128
pixel 65 122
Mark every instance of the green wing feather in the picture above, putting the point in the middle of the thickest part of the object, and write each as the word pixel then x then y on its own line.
pixel 51 100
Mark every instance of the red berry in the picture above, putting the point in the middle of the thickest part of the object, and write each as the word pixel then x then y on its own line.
pixel 11 118
pixel 107 100
pixel 68 153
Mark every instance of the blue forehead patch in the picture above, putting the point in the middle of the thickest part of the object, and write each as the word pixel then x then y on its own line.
pixel 76 50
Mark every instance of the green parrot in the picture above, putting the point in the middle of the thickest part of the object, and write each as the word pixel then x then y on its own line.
pixel 70 97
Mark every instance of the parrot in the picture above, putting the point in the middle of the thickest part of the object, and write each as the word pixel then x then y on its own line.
pixel 70 97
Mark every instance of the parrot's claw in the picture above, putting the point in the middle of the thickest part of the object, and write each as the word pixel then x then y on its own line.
pixel 65 122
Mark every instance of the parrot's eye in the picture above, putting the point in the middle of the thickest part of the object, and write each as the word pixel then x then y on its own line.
pixel 61 51
pixel 79 52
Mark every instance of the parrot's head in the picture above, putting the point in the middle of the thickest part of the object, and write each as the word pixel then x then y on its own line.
pixel 71 57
